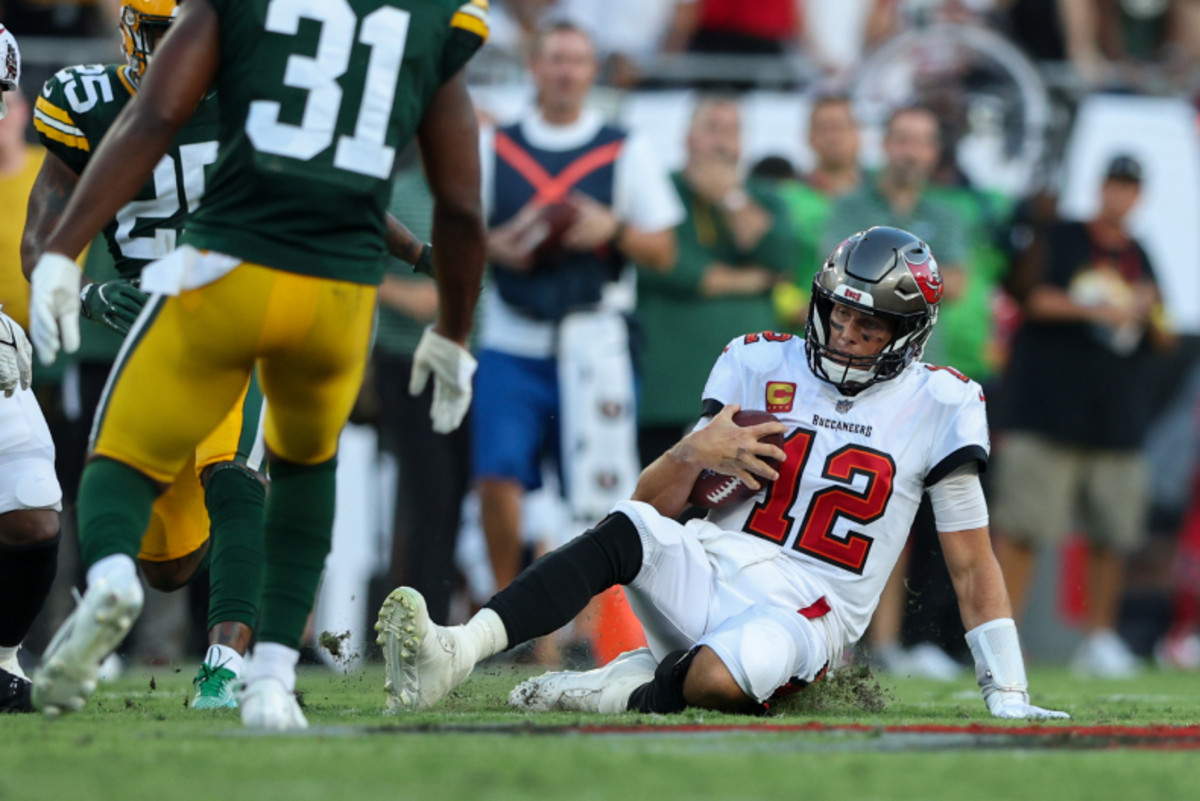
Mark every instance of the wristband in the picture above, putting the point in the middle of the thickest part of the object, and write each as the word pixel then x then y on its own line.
pixel 735 200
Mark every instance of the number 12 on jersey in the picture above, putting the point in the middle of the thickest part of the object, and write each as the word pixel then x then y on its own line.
pixel 385 31
pixel 772 517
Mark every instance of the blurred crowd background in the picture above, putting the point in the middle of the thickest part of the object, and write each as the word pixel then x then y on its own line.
pixel 981 125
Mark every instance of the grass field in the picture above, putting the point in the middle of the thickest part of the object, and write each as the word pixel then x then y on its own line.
pixel 137 740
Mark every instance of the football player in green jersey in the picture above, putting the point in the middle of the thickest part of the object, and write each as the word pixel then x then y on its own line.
pixel 277 272
pixel 76 108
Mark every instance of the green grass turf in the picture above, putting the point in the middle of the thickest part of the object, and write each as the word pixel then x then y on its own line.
pixel 138 742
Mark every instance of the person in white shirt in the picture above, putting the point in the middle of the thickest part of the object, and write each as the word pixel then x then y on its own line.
pixel 762 596
pixel 555 357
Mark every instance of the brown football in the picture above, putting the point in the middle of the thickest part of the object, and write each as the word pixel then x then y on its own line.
pixel 553 221
pixel 716 490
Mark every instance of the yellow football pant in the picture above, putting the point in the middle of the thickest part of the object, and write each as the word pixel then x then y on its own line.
pixel 179 521
pixel 186 362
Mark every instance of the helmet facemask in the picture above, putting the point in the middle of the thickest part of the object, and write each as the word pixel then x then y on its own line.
pixel 852 374
pixel 10 67
pixel 886 273
pixel 143 24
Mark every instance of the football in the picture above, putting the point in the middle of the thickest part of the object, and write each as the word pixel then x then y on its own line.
pixel 716 490
pixel 552 222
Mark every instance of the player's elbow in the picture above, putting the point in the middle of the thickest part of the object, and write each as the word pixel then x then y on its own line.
pixel 162 119
pixel 463 213
pixel 656 251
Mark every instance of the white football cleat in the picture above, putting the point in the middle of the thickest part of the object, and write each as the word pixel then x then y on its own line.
pixel 604 689
pixel 423 660
pixel 68 672
pixel 268 705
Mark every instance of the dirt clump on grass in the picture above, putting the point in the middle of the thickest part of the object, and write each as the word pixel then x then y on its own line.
pixel 850 689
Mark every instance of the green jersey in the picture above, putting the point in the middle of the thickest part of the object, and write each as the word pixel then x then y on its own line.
pixel 967 322
pixel 317 98
pixel 808 211
pixel 75 110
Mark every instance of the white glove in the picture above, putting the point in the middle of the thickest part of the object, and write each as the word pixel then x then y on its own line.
pixel 452 367
pixel 1000 670
pixel 1016 706
pixel 54 306
pixel 16 357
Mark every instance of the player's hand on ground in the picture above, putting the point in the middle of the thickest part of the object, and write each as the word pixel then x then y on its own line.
pixel 16 357
pixel 727 448
pixel 1016 706
pixel 452 367
pixel 54 306
pixel 115 303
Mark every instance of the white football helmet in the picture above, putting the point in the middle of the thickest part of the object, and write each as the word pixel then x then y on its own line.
pixel 10 66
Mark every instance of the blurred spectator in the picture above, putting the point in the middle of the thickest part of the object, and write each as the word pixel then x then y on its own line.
pixel 626 33
pixel 569 200
pixel 835 33
pixel 733 246
pixel 1105 37
pixel 966 332
pixel 764 27
pixel 19 165
pixel 833 137
pixel 1076 412
pixel 433 467
pixel 1179 647
pixel 61 17
pixel 900 196
pixel 889 17
pixel 1037 26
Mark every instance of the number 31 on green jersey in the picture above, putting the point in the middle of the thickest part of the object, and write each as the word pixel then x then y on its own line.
pixel 385 31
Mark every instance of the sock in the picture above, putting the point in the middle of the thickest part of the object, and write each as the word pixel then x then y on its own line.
pixel 298 533
pixel 225 657
pixel 118 566
pixel 26 573
pixel 486 632
pixel 235 499
pixel 273 660
pixel 114 510
pixel 664 693
pixel 554 589
pixel 8 659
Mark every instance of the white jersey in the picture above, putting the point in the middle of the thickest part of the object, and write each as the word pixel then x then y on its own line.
pixel 857 465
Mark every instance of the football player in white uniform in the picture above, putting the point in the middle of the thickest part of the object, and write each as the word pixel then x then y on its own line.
pixel 30 498
pixel 764 595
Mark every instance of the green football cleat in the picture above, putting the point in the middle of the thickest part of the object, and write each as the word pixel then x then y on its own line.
pixel 215 687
